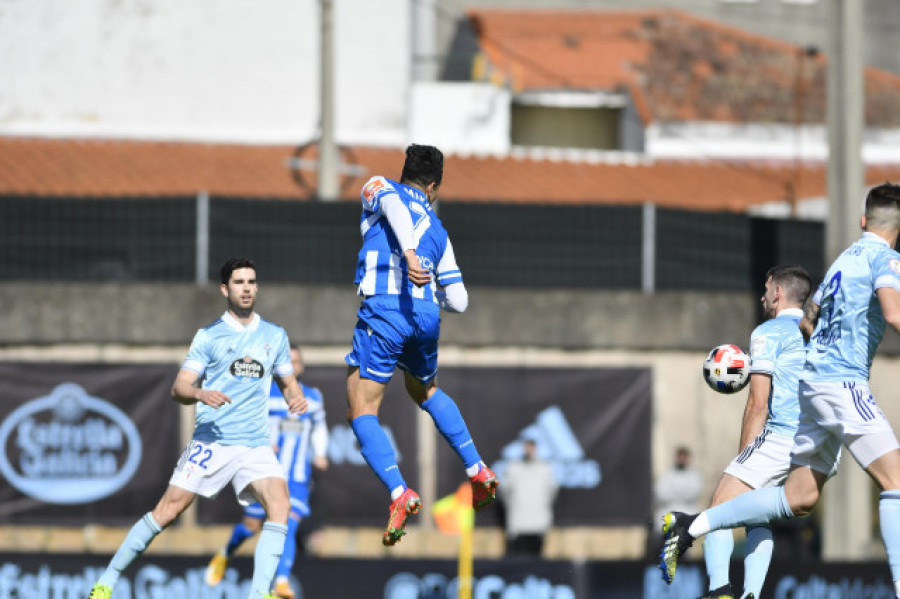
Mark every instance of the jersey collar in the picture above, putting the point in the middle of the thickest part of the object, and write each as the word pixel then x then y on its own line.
pixel 876 238
pixel 232 322
pixel 790 312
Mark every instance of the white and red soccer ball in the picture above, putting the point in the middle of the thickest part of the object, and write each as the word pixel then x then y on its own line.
pixel 726 369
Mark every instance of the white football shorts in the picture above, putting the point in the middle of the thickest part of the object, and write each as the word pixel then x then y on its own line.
pixel 832 413
pixel 765 462
pixel 205 469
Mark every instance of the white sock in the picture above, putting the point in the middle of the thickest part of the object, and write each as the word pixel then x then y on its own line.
pixel 700 525
pixel 474 469
pixel 397 492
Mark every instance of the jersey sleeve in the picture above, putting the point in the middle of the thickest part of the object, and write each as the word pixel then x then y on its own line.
pixel 447 270
pixel 763 351
pixel 374 191
pixel 198 357
pixel 283 366
pixel 886 271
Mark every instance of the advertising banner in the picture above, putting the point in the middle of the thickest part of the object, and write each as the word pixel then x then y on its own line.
pixel 36 576
pixel 591 424
pixel 85 443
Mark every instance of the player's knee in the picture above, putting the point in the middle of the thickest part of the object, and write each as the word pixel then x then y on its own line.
pixel 802 503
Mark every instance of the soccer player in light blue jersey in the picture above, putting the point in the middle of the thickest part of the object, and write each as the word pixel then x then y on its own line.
pixel 844 322
pixel 227 375
pixel 777 354
pixel 406 273
pixel 301 442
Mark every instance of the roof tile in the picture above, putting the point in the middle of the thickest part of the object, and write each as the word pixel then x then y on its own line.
pixel 121 169
pixel 680 67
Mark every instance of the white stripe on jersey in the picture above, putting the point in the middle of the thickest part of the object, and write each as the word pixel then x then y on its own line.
pixel 395 275
pixel 367 286
pixel 368 223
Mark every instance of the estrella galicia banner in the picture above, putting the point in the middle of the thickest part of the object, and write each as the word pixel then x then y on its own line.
pixel 85 443
pixel 591 424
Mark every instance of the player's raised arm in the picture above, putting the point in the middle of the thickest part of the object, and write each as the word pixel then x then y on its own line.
pixel 293 393
pixel 186 391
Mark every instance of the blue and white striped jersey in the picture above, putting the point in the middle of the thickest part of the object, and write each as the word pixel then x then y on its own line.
pixel 777 349
pixel 380 268
pixel 239 361
pixel 299 437
pixel 851 323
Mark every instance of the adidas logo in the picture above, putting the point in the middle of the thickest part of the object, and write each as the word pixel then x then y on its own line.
pixel 558 445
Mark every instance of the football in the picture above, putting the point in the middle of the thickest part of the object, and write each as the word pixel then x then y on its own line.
pixel 726 369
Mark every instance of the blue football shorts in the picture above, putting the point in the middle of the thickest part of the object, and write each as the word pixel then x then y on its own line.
pixel 392 331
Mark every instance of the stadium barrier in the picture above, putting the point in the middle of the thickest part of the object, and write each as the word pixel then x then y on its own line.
pixel 41 576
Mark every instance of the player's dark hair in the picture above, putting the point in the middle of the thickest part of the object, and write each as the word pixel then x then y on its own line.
pixel 424 165
pixel 794 279
pixel 232 265
pixel 883 207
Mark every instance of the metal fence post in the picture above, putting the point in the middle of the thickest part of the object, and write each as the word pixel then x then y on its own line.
pixel 648 248
pixel 201 268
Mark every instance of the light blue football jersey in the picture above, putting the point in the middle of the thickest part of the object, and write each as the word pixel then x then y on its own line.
pixel 777 349
pixel 851 323
pixel 380 269
pixel 239 361
pixel 292 433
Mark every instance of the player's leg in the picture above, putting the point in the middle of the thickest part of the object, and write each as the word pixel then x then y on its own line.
pixel 886 472
pixel 272 493
pixel 174 501
pixel 419 364
pixel 364 397
pixel 254 515
pixel 871 441
pixel 719 544
pixel 282 586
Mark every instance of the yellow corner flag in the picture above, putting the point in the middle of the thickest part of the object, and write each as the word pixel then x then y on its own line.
pixel 454 515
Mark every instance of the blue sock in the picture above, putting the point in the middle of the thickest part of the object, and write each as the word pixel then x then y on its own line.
pixel 265 559
pixel 449 421
pixel 889 514
pixel 136 542
pixel 717 548
pixel 290 549
pixel 757 555
pixel 239 534
pixel 377 450
pixel 759 506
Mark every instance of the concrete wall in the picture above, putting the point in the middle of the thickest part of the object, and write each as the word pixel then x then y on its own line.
pixel 168 314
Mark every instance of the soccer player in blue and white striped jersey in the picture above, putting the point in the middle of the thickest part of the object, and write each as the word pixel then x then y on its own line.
pixel 844 322
pixel 406 273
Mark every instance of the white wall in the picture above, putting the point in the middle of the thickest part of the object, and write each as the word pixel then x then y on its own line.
pixel 461 117
pixel 236 70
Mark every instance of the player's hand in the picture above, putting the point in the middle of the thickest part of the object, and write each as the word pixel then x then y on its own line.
pixel 418 275
pixel 297 405
pixel 214 399
pixel 320 462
